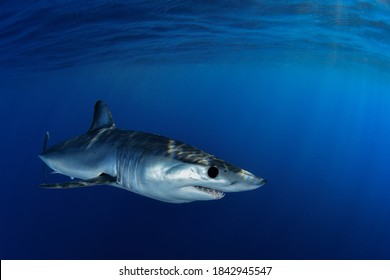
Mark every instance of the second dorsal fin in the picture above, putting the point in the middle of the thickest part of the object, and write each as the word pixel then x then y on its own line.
pixel 102 117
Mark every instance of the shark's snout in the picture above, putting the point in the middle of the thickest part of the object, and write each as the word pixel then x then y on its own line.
pixel 245 181
pixel 259 181
pixel 251 179
pixel 254 183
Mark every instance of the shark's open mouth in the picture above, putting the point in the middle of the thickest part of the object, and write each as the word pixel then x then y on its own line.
pixel 212 192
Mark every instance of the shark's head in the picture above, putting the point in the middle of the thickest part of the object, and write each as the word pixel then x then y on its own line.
pixel 208 182
pixel 195 175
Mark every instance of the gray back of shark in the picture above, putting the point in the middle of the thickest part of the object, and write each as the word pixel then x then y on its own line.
pixel 147 164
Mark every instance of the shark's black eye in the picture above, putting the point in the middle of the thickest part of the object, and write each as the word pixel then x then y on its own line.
pixel 213 172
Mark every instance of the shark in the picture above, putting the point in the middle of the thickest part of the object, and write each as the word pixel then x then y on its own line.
pixel 147 164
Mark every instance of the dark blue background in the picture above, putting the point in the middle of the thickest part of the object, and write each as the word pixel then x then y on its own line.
pixel 317 128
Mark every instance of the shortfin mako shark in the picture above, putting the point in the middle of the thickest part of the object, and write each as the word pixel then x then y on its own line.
pixel 147 164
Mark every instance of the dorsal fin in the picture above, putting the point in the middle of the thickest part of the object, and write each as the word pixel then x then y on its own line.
pixel 102 117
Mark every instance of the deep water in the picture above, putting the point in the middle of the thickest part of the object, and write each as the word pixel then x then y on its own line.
pixel 307 111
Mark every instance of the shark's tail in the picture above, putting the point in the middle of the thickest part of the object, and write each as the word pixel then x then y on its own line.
pixel 44 148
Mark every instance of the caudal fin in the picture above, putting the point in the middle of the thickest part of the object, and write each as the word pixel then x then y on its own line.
pixel 44 148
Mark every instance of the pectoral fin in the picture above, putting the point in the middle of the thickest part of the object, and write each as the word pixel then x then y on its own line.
pixel 102 179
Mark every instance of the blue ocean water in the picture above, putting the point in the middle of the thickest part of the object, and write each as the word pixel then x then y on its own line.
pixel 293 91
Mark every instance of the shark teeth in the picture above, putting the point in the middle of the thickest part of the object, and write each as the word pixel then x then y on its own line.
pixel 212 192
